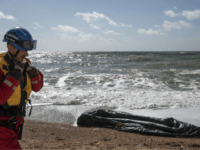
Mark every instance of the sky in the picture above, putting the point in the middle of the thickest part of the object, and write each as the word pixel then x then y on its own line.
pixel 105 25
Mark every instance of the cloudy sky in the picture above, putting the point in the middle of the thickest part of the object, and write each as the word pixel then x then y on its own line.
pixel 105 25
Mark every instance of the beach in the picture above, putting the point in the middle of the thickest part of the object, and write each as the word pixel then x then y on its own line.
pixel 47 135
pixel 156 84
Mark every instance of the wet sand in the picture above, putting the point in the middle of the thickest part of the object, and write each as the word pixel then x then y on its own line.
pixel 70 113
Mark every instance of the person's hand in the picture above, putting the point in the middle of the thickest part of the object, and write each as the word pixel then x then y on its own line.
pixel 31 70
pixel 17 71
pixel 15 65
pixel 19 65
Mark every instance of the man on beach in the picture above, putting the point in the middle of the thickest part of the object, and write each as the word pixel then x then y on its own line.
pixel 17 79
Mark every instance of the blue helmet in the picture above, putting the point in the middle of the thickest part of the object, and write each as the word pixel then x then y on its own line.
pixel 20 38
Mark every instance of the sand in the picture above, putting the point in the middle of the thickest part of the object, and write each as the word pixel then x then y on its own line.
pixel 47 135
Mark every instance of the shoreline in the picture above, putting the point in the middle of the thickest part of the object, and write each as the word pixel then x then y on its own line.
pixel 70 113
pixel 47 135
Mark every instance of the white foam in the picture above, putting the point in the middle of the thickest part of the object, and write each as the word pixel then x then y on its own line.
pixel 51 69
pixel 123 98
pixel 185 72
pixel 61 80
pixel 133 90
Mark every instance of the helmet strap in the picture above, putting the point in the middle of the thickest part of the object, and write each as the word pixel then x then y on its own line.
pixel 13 56
pixel 16 53
pixel 11 66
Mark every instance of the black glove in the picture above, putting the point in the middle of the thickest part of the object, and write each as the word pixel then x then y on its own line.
pixel 17 71
pixel 31 70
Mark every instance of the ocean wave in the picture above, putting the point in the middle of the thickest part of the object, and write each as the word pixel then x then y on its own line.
pixel 126 98
pixel 190 53
pixel 135 58
pixel 133 80
pixel 173 65
pixel 189 72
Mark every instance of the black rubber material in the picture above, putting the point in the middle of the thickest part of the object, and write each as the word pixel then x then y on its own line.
pixel 138 124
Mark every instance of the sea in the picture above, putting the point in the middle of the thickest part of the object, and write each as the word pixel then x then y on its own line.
pixel 135 81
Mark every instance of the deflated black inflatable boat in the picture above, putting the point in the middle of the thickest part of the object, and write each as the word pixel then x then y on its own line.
pixel 138 124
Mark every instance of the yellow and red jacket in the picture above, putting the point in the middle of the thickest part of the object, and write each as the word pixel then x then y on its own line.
pixel 10 89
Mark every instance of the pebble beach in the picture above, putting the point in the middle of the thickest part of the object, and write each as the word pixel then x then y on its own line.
pixel 46 135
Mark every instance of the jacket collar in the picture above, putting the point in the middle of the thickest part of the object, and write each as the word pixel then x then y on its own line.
pixel 7 58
